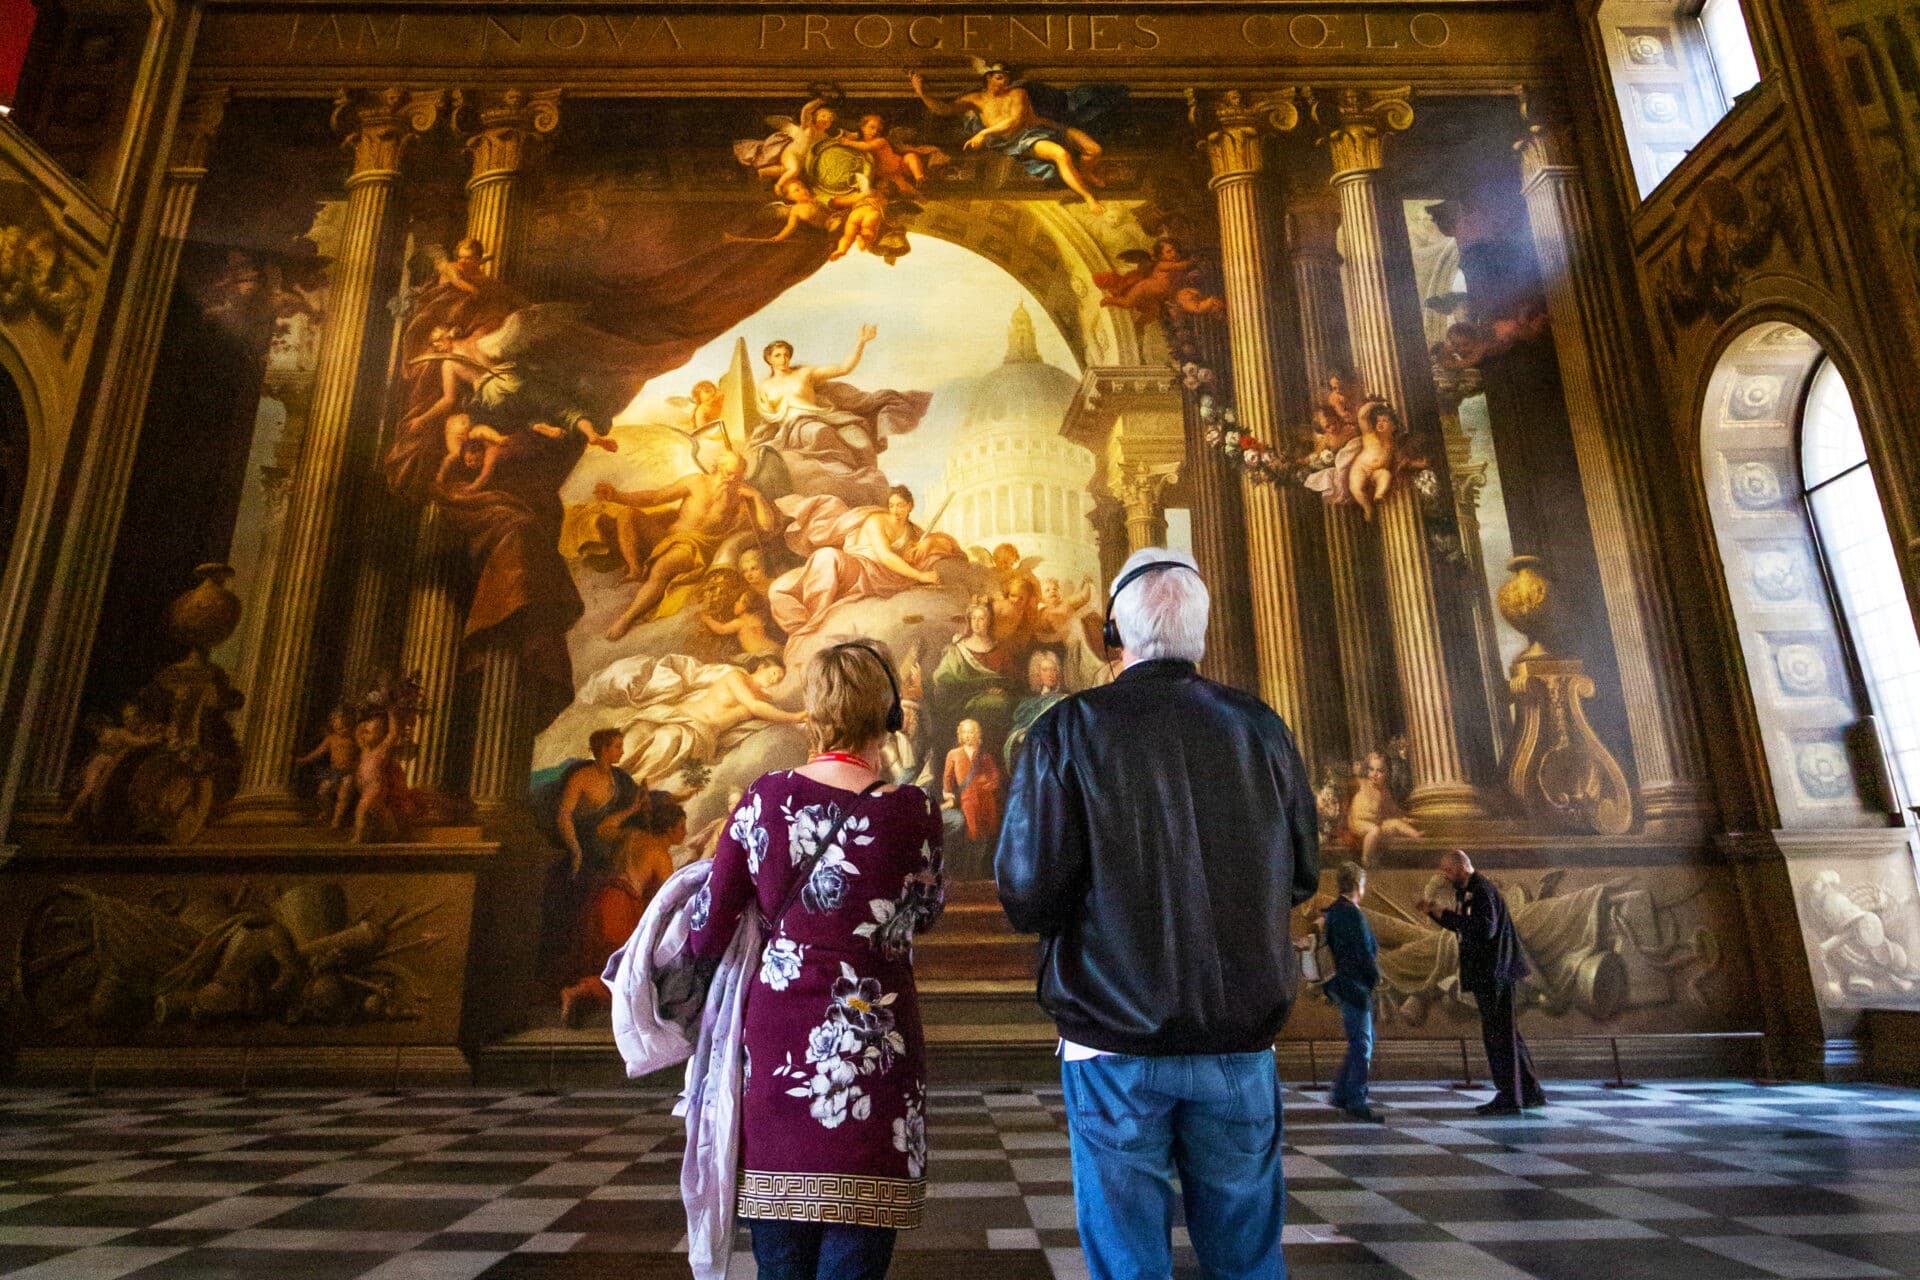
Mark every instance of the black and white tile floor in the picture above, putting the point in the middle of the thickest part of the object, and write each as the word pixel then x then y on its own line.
pixel 1695 1180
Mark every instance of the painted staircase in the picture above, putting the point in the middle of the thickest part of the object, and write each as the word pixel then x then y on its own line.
pixel 975 976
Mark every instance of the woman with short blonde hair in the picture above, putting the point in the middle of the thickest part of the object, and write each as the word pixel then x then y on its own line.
pixel 845 871
pixel 849 689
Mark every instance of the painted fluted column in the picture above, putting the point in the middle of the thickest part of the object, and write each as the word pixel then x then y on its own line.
pixel 501 131
pixel 431 648
pixel 77 596
pixel 1261 336
pixel 1379 263
pixel 1219 530
pixel 377 128
pixel 1352 551
pixel 1589 326
pixel 1109 521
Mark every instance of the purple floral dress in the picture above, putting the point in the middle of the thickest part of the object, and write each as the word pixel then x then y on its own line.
pixel 833 1124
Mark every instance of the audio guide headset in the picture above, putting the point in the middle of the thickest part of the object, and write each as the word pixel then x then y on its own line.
pixel 896 713
pixel 1110 629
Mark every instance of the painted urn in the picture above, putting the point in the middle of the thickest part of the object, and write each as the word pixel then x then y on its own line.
pixel 206 615
pixel 1526 600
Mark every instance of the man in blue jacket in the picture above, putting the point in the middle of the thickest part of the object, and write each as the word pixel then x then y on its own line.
pixel 1356 971
pixel 1491 966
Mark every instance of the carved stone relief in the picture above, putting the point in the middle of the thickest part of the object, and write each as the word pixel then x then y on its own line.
pixel 1730 231
pixel 38 279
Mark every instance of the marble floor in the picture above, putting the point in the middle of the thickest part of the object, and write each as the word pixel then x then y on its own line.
pixel 1698 1180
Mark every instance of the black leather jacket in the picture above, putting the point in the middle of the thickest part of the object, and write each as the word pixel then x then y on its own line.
pixel 1159 831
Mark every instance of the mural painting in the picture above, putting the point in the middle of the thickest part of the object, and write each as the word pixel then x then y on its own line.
pixel 555 434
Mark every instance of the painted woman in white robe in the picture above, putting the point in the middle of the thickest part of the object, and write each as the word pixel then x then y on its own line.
pixel 829 435
pixel 853 553
pixel 675 710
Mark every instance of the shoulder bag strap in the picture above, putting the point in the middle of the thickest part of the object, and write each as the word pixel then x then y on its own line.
pixel 804 872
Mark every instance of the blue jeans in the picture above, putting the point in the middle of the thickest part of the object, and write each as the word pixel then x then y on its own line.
pixel 814 1251
pixel 1215 1121
pixel 1349 1091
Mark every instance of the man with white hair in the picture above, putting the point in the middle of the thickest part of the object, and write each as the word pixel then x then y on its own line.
pixel 1160 831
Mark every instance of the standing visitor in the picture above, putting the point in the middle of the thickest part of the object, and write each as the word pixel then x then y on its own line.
pixel 845 870
pixel 1491 966
pixel 1161 830
pixel 1356 971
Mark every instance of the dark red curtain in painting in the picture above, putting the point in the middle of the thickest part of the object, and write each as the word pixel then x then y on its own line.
pixel 629 319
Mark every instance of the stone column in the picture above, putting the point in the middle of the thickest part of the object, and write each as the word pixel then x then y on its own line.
pixel 1590 324
pixel 1268 394
pixel 73 608
pixel 431 647
pixel 1141 491
pixel 1352 550
pixel 376 126
pixel 502 129
pixel 1219 530
pixel 1378 272
pixel 1109 521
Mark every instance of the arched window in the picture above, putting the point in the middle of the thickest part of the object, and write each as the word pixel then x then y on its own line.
pixel 1863 573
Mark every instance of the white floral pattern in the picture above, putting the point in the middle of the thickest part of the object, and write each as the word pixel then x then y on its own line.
pixel 895 922
pixel 748 833
pixel 807 830
pixel 910 1134
pixel 780 962
pixel 700 907
pixel 857 1038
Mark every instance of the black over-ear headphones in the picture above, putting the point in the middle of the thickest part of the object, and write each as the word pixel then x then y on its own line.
pixel 896 713
pixel 1110 629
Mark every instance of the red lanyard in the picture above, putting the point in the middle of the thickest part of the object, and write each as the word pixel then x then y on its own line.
pixel 842 757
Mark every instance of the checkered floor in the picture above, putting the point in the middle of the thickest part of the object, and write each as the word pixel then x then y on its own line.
pixel 1695 1180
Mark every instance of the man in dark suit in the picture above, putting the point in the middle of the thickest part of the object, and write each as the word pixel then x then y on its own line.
pixel 1491 965
pixel 1356 971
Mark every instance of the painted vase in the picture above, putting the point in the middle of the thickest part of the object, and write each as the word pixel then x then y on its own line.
pixel 1526 600
pixel 206 615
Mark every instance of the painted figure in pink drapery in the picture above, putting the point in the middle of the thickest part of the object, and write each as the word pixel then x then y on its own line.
pixel 853 553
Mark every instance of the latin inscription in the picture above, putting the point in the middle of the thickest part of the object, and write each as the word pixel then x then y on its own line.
pixel 235 38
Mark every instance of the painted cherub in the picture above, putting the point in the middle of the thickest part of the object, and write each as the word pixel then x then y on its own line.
pixel 341 752
pixel 1344 395
pixel 899 165
pixel 379 737
pixel 782 155
pixel 733 607
pixel 466 270
pixel 475 446
pixel 141 724
pixel 867 207
pixel 1058 609
pixel 1370 476
pixel 802 209
pixel 1159 278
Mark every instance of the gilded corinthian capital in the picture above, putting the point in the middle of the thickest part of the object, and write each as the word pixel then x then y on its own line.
pixel 1548 144
pixel 1356 120
pixel 1232 123
pixel 500 126
pixel 376 125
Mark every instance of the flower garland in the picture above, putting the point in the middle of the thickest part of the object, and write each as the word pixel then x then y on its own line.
pixel 1262 463
pixel 1220 428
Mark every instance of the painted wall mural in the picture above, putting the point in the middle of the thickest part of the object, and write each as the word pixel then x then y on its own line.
pixel 546 438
